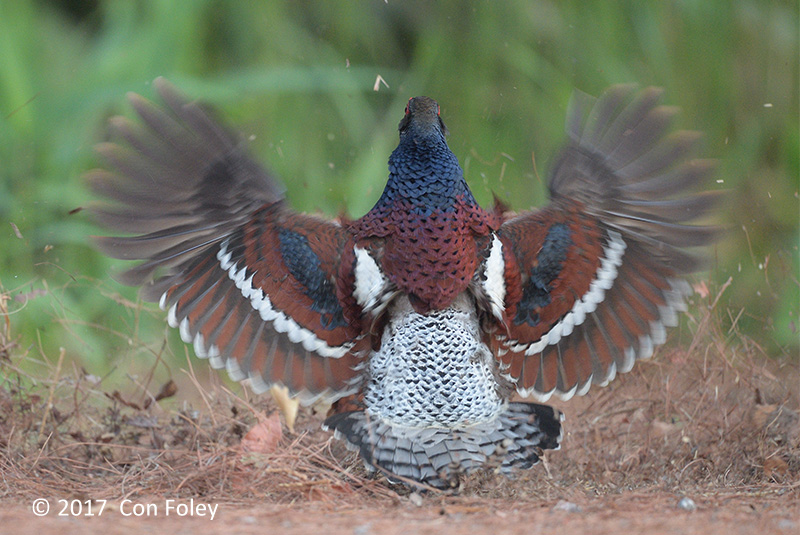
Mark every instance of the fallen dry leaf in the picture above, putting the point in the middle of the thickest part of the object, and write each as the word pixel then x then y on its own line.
pixel 168 390
pixel 264 436
pixel 662 429
pixel 775 466
pixel 701 289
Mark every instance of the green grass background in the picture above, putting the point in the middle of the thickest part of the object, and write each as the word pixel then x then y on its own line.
pixel 299 76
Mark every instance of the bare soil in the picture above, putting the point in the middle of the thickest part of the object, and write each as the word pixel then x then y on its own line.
pixel 714 423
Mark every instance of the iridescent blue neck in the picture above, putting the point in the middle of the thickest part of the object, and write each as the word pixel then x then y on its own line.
pixel 424 176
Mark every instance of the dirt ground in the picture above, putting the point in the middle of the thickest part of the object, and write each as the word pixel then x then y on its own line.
pixel 704 438
pixel 629 512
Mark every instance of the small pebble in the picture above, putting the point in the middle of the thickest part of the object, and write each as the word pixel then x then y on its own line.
pixel 363 529
pixel 569 507
pixel 415 499
pixel 687 504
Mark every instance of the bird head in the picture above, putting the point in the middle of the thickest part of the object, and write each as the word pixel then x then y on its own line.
pixel 422 119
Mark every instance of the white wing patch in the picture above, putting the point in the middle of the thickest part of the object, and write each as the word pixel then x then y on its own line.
pixel 370 283
pixel 494 283
pixel 373 291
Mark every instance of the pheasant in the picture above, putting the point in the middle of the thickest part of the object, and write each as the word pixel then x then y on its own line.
pixel 421 320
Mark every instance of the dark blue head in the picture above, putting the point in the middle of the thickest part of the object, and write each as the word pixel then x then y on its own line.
pixel 422 120
pixel 424 174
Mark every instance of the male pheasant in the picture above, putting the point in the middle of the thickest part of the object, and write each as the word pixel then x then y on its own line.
pixel 420 320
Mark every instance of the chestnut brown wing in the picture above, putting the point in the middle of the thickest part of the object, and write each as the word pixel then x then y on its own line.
pixel 250 283
pixel 593 278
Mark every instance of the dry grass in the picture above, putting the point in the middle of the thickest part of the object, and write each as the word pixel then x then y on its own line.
pixel 717 419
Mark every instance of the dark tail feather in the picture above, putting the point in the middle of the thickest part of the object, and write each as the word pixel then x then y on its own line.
pixel 435 456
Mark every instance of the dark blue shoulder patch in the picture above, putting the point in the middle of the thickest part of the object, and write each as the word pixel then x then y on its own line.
pixel 550 261
pixel 304 265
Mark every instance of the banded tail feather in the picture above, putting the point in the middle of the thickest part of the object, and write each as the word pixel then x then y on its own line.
pixel 436 457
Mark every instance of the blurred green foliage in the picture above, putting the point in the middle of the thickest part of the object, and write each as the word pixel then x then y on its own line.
pixel 298 78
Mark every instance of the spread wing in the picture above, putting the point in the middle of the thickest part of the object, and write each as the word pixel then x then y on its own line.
pixel 593 278
pixel 250 283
